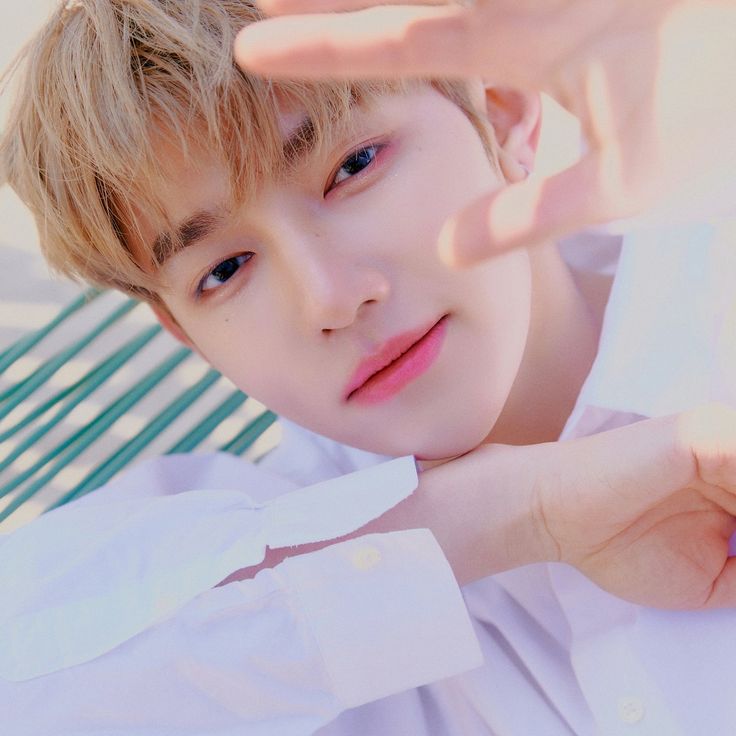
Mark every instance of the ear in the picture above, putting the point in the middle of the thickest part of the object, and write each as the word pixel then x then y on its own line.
pixel 169 323
pixel 516 117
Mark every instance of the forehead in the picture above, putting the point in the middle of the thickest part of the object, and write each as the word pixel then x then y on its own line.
pixel 179 183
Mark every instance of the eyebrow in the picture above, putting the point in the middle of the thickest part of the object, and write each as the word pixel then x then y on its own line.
pixel 195 228
pixel 299 145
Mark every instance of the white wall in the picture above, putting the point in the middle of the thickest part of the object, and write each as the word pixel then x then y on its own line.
pixel 27 295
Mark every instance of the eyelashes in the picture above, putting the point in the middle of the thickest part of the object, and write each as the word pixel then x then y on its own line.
pixel 354 164
pixel 223 272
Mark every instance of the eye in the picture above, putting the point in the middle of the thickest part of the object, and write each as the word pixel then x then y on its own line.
pixel 223 272
pixel 355 163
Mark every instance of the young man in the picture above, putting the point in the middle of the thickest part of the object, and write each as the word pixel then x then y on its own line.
pixel 302 219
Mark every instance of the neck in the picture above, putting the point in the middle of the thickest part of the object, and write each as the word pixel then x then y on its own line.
pixel 566 317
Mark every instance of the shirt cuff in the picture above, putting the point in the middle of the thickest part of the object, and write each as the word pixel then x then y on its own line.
pixel 386 612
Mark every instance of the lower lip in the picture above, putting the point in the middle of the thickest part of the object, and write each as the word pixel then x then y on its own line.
pixel 412 364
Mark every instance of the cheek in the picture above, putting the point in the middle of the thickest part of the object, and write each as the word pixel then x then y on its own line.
pixel 436 181
pixel 256 357
pixel 500 307
pixel 236 348
pixel 503 302
pixel 494 308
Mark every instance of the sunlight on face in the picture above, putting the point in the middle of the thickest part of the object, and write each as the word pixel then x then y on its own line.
pixel 325 299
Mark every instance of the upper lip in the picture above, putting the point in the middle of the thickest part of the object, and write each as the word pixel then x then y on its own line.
pixel 386 354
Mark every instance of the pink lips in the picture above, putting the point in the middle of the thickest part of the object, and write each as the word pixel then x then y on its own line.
pixel 398 362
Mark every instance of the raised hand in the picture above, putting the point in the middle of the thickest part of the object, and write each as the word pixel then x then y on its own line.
pixel 652 84
pixel 646 511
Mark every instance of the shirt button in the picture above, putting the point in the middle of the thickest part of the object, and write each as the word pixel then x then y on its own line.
pixel 364 558
pixel 630 710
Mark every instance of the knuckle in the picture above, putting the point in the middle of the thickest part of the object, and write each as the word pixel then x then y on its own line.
pixel 709 434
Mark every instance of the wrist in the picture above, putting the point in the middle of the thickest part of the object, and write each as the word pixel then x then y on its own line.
pixel 484 511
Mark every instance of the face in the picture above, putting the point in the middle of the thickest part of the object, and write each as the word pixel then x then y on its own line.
pixel 324 297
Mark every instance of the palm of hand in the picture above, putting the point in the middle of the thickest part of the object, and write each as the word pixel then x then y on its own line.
pixel 671 557
pixel 650 510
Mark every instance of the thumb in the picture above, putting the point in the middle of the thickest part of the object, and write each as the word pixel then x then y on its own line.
pixel 532 212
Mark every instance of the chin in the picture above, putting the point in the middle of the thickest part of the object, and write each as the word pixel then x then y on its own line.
pixel 457 431
pixel 448 437
pixel 442 449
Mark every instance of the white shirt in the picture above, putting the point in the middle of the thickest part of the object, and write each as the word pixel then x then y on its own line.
pixel 109 623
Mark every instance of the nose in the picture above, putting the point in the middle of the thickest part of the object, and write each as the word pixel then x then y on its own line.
pixel 334 282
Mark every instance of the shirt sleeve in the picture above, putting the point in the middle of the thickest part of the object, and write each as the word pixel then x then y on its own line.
pixel 110 621
pixel 86 577
pixel 279 655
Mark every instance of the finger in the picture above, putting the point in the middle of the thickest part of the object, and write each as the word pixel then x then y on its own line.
pixel 723 594
pixel 304 7
pixel 721 497
pixel 386 41
pixel 534 211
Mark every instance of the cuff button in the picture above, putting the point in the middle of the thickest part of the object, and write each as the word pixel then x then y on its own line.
pixel 364 558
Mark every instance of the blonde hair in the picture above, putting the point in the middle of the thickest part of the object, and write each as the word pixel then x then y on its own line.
pixel 104 78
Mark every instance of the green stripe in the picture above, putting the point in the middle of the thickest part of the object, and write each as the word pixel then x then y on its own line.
pixel 204 428
pixel 250 433
pixel 14 395
pixel 83 388
pixel 20 348
pixel 76 443
pixel 121 457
